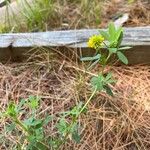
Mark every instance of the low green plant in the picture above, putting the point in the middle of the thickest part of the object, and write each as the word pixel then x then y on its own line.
pixel 27 124
pixel 32 127
pixel 3 29
pixel 110 41
pixel 37 13
pixel 34 15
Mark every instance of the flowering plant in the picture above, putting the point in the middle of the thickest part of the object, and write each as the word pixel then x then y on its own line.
pixel 110 40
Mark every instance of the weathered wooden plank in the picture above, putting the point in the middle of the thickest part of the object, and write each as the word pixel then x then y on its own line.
pixel 73 38
pixel 138 37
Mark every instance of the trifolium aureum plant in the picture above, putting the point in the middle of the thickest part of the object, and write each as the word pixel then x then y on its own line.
pixel 107 44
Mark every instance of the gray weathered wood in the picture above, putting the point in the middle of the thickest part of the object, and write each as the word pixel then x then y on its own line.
pixel 138 37
pixel 73 38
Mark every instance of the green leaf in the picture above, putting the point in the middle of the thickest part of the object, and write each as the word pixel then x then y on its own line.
pixel 119 36
pixel 34 123
pixel 118 33
pixel 125 48
pixel 32 142
pixel 29 121
pixel 113 44
pixel 75 111
pixel 109 76
pixel 100 82
pixel 93 64
pixel 54 142
pixel 47 120
pixel 76 137
pixel 38 124
pixel 62 126
pixel 112 50
pixel 10 127
pixel 122 57
pixel 108 79
pixel 20 105
pixel 39 134
pixel 41 146
pixel 104 34
pixel 11 110
pixel 33 102
pixel 97 57
pixel 97 82
pixel 74 132
pixel 31 138
pixel 112 31
pixel 108 90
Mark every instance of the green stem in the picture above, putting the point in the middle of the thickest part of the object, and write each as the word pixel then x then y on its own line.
pixel 103 67
pixel 109 55
pixel 87 102
pixel 75 118
pixel 17 121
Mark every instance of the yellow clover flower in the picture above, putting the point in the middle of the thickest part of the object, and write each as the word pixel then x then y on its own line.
pixel 95 41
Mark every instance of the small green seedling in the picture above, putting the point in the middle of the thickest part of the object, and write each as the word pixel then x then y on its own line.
pixel 25 119
pixel 32 128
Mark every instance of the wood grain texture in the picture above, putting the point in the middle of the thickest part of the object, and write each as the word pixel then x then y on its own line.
pixel 138 37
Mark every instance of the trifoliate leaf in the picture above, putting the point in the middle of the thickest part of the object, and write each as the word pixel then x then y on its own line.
pixel 11 110
pixel 97 82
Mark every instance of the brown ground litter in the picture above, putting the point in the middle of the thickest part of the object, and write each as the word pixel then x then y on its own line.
pixel 118 123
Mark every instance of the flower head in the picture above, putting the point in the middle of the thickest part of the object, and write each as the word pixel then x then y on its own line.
pixel 95 41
